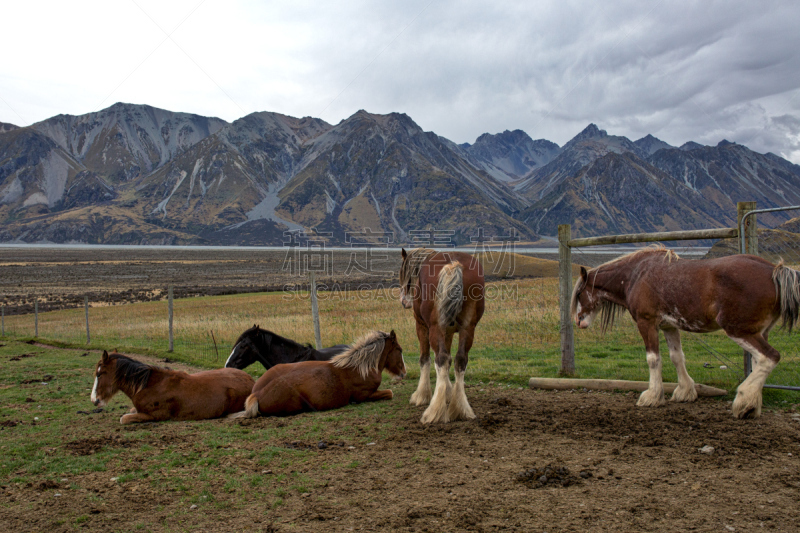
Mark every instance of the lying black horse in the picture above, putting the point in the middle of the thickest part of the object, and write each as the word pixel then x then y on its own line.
pixel 270 349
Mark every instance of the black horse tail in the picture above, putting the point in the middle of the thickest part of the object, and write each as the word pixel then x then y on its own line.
pixel 250 408
pixel 787 290
pixel 450 294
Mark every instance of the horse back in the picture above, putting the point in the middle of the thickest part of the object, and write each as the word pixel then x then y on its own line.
pixel 439 260
pixel 472 272
pixel 705 294
pixel 472 286
pixel 207 394
pixel 325 354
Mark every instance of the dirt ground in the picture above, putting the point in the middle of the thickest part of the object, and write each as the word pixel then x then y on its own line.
pixel 612 467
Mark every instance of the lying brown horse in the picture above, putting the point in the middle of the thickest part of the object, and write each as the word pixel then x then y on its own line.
pixel 161 394
pixel 743 295
pixel 445 290
pixel 350 377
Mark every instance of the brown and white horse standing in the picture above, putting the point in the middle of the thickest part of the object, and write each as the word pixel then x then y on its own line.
pixel 743 295
pixel 445 290
pixel 162 394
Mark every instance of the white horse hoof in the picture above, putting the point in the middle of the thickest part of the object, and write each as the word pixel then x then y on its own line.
pixel 432 417
pixel 420 399
pixel 456 411
pixel 688 394
pixel 650 398
pixel 742 409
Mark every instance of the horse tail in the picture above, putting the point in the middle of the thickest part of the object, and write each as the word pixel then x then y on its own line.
pixel 250 408
pixel 787 290
pixel 450 293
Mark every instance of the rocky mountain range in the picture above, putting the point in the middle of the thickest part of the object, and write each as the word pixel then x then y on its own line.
pixel 134 174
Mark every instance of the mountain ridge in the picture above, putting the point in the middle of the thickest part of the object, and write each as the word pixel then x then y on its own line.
pixel 134 173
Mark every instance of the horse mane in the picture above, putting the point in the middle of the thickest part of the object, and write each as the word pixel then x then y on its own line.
pixel 409 271
pixel 130 372
pixel 669 255
pixel 610 311
pixel 364 355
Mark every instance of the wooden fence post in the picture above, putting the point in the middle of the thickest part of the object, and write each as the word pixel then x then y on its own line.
pixel 216 351
pixel 564 294
pixel 171 345
pixel 315 309
pixel 86 307
pixel 747 245
pixel 36 318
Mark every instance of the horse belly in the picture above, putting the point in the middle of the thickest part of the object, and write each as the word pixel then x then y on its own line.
pixel 694 324
pixel 202 399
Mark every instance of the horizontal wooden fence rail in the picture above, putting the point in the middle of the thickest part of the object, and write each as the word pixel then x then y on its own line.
pixel 721 233
pixel 566 243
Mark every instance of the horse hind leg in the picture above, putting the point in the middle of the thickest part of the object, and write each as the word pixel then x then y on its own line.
pixel 448 340
pixel 437 410
pixel 422 396
pixel 748 401
pixel 459 408
pixel 133 418
pixel 685 392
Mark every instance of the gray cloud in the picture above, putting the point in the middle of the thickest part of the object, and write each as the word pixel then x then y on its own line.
pixel 680 70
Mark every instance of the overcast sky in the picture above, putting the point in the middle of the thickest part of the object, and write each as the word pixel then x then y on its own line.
pixel 700 71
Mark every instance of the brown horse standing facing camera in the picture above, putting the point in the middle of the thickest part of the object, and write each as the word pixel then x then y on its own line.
pixel 743 295
pixel 162 394
pixel 445 290
pixel 350 377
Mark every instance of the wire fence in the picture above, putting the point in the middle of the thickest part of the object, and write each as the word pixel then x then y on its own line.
pixel 711 358
pixel 119 301
pixel 219 293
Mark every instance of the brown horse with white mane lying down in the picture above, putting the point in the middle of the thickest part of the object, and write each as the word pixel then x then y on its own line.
pixel 350 377
pixel 162 394
pixel 743 295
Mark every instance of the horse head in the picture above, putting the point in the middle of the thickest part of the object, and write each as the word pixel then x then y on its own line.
pixel 247 348
pixel 393 357
pixel 586 303
pixel 105 383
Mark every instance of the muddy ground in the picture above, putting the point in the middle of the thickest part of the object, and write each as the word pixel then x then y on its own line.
pixel 612 467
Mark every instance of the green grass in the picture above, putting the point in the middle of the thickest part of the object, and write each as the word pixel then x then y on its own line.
pixel 198 463
pixel 517 338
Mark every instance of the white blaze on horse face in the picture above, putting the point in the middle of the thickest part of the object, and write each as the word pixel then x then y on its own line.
pixel 93 397
pixel 584 321
pixel 229 357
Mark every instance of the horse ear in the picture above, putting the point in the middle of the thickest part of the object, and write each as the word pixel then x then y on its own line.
pixel 392 335
pixel 105 356
pixel 403 252
pixel 584 275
